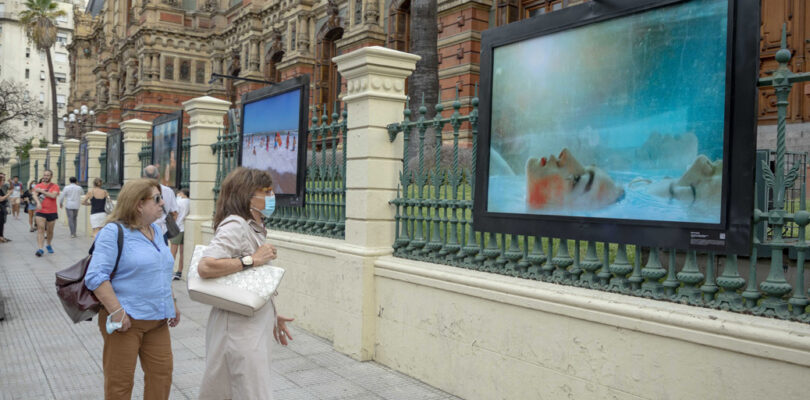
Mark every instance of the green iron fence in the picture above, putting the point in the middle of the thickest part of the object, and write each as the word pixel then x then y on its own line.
pixel 25 170
pixel 324 211
pixel 145 155
pixel 59 171
pixel 434 224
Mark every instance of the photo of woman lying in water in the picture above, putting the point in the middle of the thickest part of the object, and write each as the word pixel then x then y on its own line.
pixel 627 132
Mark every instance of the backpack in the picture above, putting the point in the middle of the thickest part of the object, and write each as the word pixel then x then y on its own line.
pixel 79 302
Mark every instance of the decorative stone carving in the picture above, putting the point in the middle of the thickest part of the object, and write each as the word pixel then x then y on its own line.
pixel 172 3
pixel 372 15
pixel 211 6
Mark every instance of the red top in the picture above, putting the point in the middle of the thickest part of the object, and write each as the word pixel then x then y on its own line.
pixel 48 204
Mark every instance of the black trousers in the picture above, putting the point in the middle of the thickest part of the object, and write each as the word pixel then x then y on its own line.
pixel 3 214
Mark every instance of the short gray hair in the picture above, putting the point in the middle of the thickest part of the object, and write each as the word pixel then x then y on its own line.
pixel 151 172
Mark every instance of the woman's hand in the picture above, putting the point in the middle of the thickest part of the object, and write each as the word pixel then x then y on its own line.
pixel 280 331
pixel 125 322
pixel 176 320
pixel 264 254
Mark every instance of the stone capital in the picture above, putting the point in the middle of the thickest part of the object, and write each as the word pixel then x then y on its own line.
pixel 71 146
pixel 96 139
pixel 135 129
pixel 375 72
pixel 206 111
pixel 38 153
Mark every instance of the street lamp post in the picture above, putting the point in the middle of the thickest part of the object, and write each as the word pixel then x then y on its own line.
pixel 78 120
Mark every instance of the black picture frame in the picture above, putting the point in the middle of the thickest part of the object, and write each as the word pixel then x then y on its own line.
pixel 163 147
pixel 299 85
pixel 115 159
pixel 84 162
pixel 732 234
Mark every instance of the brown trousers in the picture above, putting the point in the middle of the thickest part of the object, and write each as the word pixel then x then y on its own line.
pixel 148 340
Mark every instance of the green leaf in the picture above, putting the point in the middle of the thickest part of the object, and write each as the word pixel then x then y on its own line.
pixel 767 175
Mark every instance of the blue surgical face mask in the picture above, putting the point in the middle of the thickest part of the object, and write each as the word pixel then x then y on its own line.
pixel 112 326
pixel 269 206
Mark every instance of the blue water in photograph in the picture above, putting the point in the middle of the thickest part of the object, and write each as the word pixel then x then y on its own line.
pixel 164 152
pixel 618 119
pixel 270 141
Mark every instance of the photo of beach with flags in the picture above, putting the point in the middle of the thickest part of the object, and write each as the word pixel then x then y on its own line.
pixel 270 138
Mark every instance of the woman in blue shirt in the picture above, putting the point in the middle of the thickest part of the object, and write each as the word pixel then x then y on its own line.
pixel 138 302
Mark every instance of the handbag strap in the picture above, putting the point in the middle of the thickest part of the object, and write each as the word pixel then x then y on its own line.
pixel 120 247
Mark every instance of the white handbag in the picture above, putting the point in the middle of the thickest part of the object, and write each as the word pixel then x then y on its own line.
pixel 243 292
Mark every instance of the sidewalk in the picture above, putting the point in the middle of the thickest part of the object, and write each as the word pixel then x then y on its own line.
pixel 45 356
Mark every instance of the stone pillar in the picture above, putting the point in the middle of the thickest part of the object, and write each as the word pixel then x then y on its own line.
pixel 37 156
pixel 254 55
pixel 96 143
pixel 205 124
pixel 112 96
pixel 375 79
pixel 54 150
pixel 135 135
pixel 146 67
pixel 9 169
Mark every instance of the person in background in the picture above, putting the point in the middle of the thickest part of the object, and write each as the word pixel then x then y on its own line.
pixel 177 241
pixel 97 199
pixel 70 200
pixel 30 204
pixel 47 214
pixel 151 172
pixel 138 303
pixel 16 192
pixel 5 193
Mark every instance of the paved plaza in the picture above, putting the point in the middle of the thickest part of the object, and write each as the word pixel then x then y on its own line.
pixel 43 355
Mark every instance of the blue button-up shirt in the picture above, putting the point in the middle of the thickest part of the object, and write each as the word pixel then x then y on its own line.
pixel 143 281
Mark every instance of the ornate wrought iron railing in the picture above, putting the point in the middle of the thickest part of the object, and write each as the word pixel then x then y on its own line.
pixel 36 170
pixel 324 211
pixel 145 155
pixel 24 170
pixel 186 162
pixel 59 167
pixel 434 224
pixel 226 149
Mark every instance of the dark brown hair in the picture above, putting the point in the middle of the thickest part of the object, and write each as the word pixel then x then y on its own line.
pixel 237 190
pixel 126 207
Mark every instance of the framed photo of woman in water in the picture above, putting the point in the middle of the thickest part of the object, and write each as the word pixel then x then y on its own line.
pixel 166 138
pixel 614 121
pixel 274 136
pixel 83 162
pixel 115 159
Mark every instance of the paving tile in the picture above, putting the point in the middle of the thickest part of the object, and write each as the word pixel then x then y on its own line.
pixel 43 355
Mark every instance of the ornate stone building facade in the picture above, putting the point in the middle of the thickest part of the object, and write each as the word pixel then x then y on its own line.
pixel 156 54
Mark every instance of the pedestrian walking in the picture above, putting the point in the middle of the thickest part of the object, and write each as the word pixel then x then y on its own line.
pixel 151 172
pixel 46 217
pixel 30 204
pixel 177 241
pixel 237 347
pixel 97 199
pixel 16 193
pixel 5 193
pixel 70 200
pixel 137 299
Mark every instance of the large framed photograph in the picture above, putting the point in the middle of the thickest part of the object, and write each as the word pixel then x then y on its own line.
pixel 166 138
pixel 83 164
pixel 115 159
pixel 628 121
pixel 274 136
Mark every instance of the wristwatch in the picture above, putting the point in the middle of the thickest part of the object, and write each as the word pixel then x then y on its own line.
pixel 247 262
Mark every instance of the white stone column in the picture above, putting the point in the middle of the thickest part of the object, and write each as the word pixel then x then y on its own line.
pixel 96 143
pixel 9 169
pixel 37 156
pixel 54 150
pixel 205 124
pixel 135 135
pixel 375 79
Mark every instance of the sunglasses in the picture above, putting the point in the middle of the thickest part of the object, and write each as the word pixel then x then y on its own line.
pixel 157 198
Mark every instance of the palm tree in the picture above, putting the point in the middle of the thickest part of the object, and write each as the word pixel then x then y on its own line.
pixel 40 28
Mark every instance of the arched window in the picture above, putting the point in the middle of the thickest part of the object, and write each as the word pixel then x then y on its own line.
pixel 327 78
pixel 399 25
pixel 271 73
pixel 508 11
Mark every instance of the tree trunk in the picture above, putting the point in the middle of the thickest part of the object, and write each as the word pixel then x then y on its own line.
pixel 54 110
pixel 425 79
